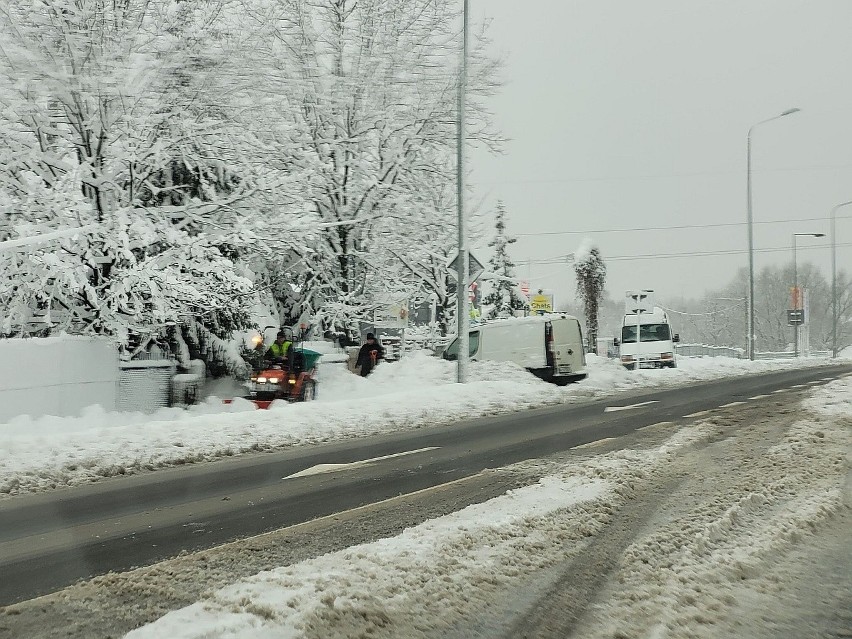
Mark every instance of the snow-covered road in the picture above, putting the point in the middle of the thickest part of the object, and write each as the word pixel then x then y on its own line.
pixel 725 502
pixel 736 523
pixel 45 453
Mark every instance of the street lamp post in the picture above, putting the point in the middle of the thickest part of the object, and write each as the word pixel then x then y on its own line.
pixel 796 297
pixel 833 218
pixel 463 309
pixel 749 219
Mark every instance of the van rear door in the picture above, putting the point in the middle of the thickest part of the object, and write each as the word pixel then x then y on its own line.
pixel 569 356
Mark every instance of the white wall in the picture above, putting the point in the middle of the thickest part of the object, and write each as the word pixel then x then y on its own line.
pixel 56 375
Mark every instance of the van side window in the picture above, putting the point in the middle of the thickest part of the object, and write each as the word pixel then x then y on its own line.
pixel 452 351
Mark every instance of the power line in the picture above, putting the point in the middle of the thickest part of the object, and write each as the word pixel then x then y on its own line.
pixel 563 259
pixel 678 227
pixel 660 176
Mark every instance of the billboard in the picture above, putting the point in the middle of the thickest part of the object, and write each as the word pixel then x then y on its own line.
pixel 392 315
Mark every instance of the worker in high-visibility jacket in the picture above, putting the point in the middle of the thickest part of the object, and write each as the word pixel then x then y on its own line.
pixel 280 348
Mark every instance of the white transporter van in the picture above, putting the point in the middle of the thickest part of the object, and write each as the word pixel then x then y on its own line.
pixel 550 346
pixel 655 346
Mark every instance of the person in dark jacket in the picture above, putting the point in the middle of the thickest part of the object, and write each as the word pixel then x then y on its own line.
pixel 369 355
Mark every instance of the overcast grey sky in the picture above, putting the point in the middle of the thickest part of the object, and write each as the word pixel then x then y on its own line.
pixel 629 114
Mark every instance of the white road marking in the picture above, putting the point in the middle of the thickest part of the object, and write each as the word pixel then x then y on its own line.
pixel 759 397
pixel 319 469
pixel 612 409
pixel 657 425
pixel 827 379
pixel 731 404
pixel 816 381
pixel 781 390
pixel 700 413
pixel 597 442
pixel 311 523
pixel 797 386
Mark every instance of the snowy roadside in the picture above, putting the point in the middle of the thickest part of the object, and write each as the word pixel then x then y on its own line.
pixel 749 497
pixel 46 453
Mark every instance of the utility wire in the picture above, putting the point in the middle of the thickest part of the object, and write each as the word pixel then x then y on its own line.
pixel 563 259
pixel 660 176
pixel 674 228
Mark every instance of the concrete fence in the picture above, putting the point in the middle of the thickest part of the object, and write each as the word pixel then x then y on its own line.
pixel 57 376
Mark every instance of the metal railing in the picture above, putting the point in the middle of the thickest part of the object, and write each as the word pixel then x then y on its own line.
pixel 705 350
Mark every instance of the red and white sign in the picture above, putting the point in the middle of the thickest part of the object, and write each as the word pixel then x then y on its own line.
pixel 525 288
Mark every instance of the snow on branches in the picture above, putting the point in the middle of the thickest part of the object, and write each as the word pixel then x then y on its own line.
pixel 503 300
pixel 590 270
pixel 227 152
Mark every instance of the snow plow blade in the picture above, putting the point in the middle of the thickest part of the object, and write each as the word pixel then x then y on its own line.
pixel 262 404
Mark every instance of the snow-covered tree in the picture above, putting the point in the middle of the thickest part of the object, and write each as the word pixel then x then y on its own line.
pixel 224 153
pixel 590 270
pixel 503 299
pixel 363 118
pixel 86 136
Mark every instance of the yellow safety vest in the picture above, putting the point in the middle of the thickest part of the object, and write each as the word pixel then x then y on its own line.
pixel 280 350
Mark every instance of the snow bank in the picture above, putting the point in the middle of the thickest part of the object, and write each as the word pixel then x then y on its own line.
pixel 431 575
pixel 40 454
pixel 681 576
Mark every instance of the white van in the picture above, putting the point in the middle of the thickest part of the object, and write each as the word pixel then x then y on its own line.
pixel 549 346
pixel 655 347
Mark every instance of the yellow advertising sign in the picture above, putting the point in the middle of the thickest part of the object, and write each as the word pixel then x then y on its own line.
pixel 541 303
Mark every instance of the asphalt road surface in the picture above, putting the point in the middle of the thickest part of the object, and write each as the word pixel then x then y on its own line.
pixel 50 540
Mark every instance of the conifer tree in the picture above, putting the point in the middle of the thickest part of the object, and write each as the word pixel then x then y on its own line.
pixel 504 298
pixel 591 278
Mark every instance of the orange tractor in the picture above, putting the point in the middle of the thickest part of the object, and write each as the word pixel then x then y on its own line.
pixel 292 378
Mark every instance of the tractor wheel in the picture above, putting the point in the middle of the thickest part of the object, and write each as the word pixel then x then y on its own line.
pixel 309 391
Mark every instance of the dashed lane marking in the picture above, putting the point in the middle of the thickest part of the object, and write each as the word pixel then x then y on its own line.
pixel 732 404
pixel 334 468
pixel 700 413
pixel 597 442
pixel 759 397
pixel 780 390
pixel 612 409
pixel 797 386
pixel 657 425
pixel 814 383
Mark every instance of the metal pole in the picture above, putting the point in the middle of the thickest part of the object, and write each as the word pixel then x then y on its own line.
pixel 833 218
pixel 750 219
pixel 834 283
pixel 464 256
pixel 795 298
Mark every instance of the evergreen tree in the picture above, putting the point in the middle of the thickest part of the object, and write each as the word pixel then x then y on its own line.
pixel 504 298
pixel 591 278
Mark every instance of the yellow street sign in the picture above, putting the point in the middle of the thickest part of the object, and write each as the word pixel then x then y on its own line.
pixel 541 303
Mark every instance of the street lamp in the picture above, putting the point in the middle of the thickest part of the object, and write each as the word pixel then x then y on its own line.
pixel 834 277
pixel 796 298
pixel 463 320
pixel 750 335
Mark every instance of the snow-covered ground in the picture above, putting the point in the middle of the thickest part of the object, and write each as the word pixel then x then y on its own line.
pixel 702 568
pixel 48 452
